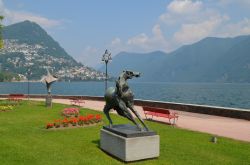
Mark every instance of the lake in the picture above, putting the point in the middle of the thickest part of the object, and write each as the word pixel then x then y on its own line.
pixel 216 94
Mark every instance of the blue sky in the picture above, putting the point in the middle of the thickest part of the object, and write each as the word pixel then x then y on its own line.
pixel 85 28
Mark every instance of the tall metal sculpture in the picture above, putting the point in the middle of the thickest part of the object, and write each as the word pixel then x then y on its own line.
pixel 49 80
pixel 29 73
pixel 121 99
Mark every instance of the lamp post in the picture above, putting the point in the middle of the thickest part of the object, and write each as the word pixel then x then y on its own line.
pixel 106 57
pixel 28 77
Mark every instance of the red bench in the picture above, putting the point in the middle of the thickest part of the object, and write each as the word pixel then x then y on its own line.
pixel 75 101
pixel 160 112
pixel 16 97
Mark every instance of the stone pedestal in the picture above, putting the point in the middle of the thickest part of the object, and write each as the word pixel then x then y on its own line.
pixel 127 143
pixel 48 101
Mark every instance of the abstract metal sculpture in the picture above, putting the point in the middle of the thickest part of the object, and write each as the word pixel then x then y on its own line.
pixel 49 80
pixel 121 99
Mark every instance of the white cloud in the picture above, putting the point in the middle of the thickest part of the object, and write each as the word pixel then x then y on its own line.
pixel 143 42
pixel 195 20
pixel 245 3
pixel 235 29
pixel 193 32
pixel 90 56
pixel 179 11
pixel 1 7
pixel 192 21
pixel 14 17
pixel 116 41
pixel 18 16
pixel 189 22
pixel 157 32
pixel 183 22
pixel 184 6
pixel 139 40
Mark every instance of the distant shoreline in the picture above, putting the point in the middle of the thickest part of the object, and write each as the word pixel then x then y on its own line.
pixel 37 81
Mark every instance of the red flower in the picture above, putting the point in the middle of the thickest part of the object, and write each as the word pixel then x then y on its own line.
pixel 98 117
pixel 90 117
pixel 65 120
pixel 57 123
pixel 49 125
pixel 81 118
pixel 73 120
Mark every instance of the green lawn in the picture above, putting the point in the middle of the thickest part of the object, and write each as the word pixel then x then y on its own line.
pixel 24 140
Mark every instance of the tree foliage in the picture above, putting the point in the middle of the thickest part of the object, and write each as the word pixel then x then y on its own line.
pixel 8 77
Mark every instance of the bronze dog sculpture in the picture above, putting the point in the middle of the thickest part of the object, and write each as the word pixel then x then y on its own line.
pixel 121 99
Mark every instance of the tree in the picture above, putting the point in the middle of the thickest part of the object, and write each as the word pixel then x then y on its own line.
pixel 1 38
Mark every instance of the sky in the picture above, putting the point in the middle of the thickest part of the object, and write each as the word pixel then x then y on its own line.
pixel 86 28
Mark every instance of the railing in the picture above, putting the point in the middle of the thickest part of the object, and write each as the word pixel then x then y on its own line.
pixel 203 109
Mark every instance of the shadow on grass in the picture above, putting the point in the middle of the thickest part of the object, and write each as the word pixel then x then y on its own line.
pixel 96 142
pixel 98 145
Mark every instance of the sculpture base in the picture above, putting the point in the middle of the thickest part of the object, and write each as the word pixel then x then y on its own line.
pixel 48 102
pixel 127 130
pixel 138 146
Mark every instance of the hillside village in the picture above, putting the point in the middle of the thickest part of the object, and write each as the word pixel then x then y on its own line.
pixel 19 55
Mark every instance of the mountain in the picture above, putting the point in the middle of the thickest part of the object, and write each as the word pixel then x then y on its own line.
pixel 209 60
pixel 236 65
pixel 27 45
pixel 132 61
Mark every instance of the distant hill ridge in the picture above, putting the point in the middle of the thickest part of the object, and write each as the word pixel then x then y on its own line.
pixel 208 60
pixel 27 45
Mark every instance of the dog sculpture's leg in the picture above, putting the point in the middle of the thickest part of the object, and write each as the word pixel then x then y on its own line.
pixel 127 113
pixel 138 116
pixel 106 112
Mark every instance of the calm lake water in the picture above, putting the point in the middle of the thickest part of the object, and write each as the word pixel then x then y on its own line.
pixel 225 95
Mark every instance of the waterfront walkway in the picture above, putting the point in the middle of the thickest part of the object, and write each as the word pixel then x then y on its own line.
pixel 221 126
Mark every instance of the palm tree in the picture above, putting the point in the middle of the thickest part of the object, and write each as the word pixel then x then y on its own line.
pixel 1 38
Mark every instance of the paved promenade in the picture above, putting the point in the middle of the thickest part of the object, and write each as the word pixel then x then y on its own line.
pixel 222 126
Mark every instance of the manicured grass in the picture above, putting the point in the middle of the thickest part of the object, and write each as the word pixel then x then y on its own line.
pixel 24 140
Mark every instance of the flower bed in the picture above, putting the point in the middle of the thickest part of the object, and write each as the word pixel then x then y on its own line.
pixel 6 108
pixel 75 121
pixel 6 105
